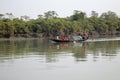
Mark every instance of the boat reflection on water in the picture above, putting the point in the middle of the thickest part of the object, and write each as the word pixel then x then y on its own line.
pixel 62 45
pixel 70 45
pixel 77 50
pixel 80 51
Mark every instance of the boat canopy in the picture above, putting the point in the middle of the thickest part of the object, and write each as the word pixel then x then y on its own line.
pixel 77 38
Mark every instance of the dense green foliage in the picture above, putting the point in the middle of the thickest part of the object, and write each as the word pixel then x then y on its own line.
pixel 50 24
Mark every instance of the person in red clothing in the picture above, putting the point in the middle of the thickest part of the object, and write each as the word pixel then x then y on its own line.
pixel 62 38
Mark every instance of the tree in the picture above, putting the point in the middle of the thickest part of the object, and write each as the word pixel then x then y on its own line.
pixel 109 15
pixel 40 16
pixel 50 14
pixel 25 17
pixel 94 14
pixel 10 15
pixel 78 15
pixel 6 28
pixel 1 16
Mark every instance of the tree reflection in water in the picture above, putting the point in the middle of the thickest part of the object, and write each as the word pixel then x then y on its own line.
pixel 51 51
pixel 81 51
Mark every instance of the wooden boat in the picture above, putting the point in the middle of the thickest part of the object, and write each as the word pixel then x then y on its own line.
pixel 75 39
pixel 59 40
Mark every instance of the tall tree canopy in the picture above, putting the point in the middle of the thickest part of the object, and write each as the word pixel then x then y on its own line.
pixel 50 24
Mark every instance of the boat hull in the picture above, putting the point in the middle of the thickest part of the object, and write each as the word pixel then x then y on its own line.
pixel 58 40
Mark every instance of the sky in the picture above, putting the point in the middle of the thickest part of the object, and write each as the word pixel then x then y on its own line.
pixel 63 8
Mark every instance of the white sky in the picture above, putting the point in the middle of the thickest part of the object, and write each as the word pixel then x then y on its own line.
pixel 63 8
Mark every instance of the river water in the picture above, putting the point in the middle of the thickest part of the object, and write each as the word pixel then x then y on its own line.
pixel 97 59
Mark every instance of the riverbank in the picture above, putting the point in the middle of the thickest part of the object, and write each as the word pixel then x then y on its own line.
pixel 19 39
pixel 92 34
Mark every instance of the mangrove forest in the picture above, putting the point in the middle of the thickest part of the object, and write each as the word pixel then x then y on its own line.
pixel 49 24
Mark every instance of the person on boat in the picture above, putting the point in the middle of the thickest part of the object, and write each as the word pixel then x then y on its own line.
pixel 62 38
pixel 57 37
pixel 80 36
pixel 66 38
pixel 85 35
